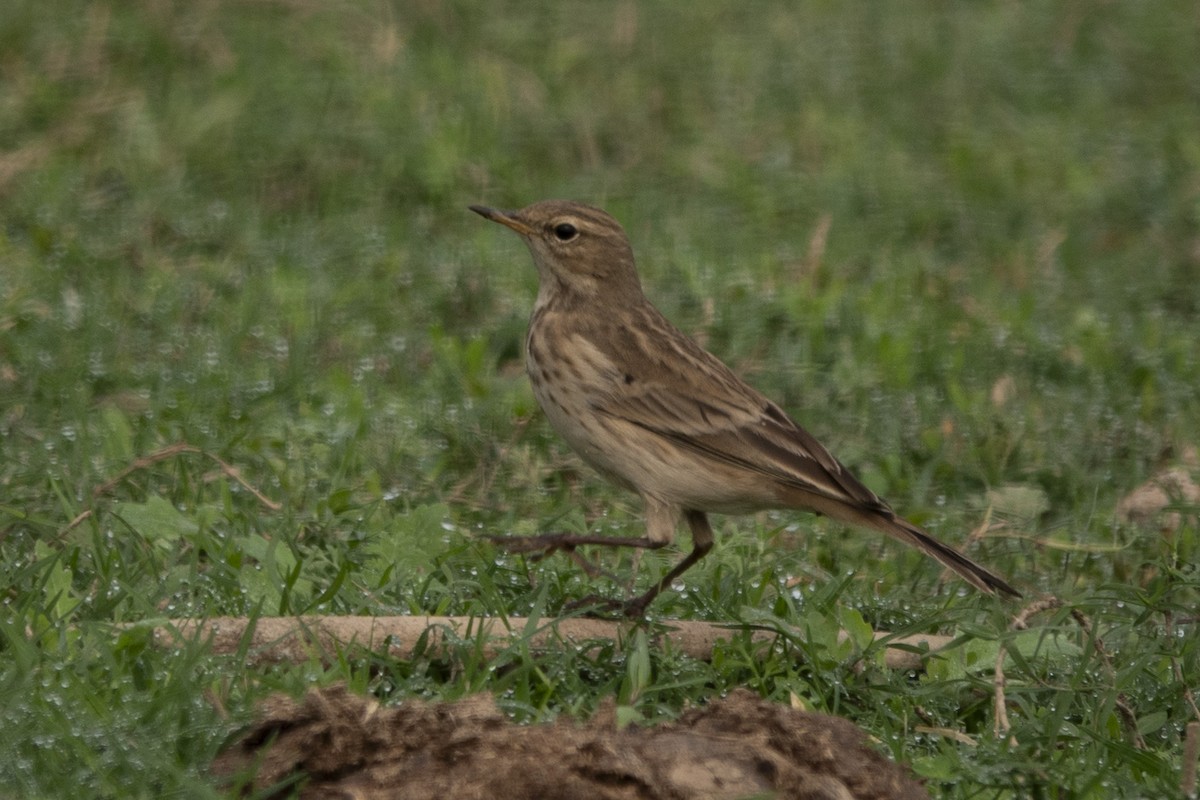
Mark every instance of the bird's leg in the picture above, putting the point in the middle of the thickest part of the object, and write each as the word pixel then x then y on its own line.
pixel 660 520
pixel 547 544
pixel 702 542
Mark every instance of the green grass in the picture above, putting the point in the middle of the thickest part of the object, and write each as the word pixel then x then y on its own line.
pixel 242 226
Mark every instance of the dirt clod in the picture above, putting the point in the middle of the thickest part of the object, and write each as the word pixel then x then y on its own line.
pixel 1148 504
pixel 341 745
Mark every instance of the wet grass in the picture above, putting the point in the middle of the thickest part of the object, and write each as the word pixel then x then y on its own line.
pixel 959 243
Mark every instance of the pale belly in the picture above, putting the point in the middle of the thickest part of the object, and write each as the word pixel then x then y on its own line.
pixel 649 464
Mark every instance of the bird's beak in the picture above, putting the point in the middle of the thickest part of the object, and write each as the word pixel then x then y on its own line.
pixel 507 218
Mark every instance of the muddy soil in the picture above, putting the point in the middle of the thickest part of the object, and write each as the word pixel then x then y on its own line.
pixel 334 744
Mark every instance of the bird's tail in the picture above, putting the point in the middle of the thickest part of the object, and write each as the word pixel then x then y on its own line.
pixel 977 575
pixel 878 516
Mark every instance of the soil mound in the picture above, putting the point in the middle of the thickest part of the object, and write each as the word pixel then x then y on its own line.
pixel 334 744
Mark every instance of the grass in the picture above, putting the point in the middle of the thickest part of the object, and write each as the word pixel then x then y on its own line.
pixel 959 242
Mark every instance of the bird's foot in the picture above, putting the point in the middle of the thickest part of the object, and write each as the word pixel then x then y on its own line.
pixel 547 544
pixel 609 608
pixel 635 608
pixel 594 606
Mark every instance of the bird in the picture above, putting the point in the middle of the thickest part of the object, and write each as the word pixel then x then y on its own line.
pixel 655 413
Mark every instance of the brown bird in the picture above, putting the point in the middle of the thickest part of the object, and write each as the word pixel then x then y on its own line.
pixel 653 412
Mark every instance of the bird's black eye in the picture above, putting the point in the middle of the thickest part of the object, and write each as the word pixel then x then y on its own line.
pixel 565 231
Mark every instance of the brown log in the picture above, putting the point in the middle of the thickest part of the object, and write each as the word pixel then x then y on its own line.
pixel 296 639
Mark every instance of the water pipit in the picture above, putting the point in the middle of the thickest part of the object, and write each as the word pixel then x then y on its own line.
pixel 655 413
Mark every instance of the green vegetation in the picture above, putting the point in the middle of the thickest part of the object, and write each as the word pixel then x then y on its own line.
pixel 960 242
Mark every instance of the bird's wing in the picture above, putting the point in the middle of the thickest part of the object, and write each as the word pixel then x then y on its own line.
pixel 695 401
pixel 726 419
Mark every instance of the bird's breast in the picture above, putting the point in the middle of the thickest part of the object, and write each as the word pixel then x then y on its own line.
pixel 572 377
pixel 569 375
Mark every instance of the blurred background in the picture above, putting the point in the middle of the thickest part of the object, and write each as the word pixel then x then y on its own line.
pixel 959 242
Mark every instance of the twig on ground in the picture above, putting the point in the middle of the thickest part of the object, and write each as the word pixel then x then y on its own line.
pixel 1124 709
pixel 168 452
pixel 1188 695
pixel 297 639
pixel 1000 723
pixel 181 448
pixel 1191 753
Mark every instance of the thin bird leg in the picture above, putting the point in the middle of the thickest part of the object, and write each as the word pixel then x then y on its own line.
pixel 702 542
pixel 592 568
pixel 550 543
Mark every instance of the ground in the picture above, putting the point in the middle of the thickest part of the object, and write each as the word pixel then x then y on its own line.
pixel 338 744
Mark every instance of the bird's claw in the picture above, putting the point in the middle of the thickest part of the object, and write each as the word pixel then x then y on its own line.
pixel 606 607
pixel 547 544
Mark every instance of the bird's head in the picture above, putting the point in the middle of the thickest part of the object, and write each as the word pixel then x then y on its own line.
pixel 578 249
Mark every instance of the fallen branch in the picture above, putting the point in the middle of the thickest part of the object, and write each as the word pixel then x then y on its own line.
pixel 1124 709
pixel 1000 723
pixel 164 454
pixel 1191 751
pixel 183 448
pixel 297 639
